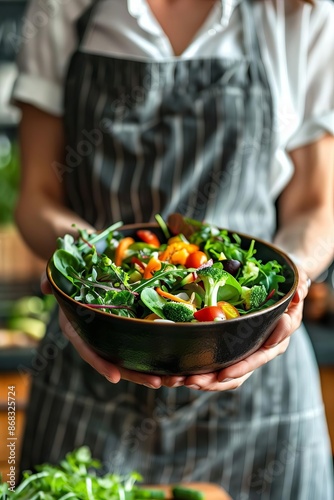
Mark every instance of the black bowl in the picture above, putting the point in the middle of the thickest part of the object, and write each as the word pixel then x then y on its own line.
pixel 178 348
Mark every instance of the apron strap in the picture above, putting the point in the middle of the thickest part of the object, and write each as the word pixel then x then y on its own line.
pixel 84 21
pixel 251 41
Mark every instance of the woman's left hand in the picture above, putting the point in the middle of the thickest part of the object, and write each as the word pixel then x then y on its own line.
pixel 235 375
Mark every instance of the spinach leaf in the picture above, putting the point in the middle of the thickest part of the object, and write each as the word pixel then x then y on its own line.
pixel 153 301
pixel 64 260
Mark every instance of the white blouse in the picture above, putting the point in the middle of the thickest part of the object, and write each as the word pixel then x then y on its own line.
pixel 296 39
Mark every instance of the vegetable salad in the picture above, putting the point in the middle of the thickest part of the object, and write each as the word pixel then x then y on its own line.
pixel 197 273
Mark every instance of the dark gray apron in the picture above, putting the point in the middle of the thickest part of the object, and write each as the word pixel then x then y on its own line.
pixel 193 136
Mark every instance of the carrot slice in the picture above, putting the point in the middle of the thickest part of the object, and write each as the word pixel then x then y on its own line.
pixel 121 249
pixel 170 296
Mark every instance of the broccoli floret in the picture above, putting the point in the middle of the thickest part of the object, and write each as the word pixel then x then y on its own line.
pixel 213 278
pixel 250 272
pixel 253 297
pixel 178 312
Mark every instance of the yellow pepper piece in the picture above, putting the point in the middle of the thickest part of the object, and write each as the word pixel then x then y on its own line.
pixel 179 257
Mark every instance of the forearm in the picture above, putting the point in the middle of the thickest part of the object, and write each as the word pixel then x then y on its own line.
pixel 43 220
pixel 306 207
pixel 41 212
pixel 310 237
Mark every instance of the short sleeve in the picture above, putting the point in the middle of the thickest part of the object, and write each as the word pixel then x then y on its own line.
pixel 48 40
pixel 318 79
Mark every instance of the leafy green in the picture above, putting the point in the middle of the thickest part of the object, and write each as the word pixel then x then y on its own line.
pixel 65 262
pixel 168 274
pixel 78 476
pixel 85 269
pixel 153 301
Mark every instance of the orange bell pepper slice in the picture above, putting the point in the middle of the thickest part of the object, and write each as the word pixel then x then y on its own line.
pixel 177 252
pixel 179 257
pixel 121 249
pixel 152 266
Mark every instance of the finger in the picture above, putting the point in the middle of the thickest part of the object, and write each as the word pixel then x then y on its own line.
pixel 303 287
pixel 252 362
pixel 288 323
pixel 151 381
pixel 215 385
pixel 173 381
pixel 200 381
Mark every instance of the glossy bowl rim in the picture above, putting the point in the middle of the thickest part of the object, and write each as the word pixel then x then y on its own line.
pixel 168 325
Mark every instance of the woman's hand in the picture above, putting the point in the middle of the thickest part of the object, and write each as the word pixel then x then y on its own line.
pixel 235 375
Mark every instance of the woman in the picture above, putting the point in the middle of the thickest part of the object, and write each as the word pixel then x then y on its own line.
pixel 214 109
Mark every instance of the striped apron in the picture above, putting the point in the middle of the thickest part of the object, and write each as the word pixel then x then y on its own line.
pixel 193 136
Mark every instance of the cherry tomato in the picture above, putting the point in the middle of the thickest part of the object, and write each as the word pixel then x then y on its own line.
pixel 230 311
pixel 196 259
pixel 148 237
pixel 210 313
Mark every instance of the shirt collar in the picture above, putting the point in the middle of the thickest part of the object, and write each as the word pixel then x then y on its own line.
pixel 138 8
pixel 227 9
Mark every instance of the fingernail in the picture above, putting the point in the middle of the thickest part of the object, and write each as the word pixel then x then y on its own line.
pixel 196 387
pixel 110 379
pixel 150 386
pixel 226 380
pixel 270 346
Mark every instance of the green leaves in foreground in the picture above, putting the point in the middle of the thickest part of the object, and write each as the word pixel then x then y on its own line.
pixel 76 477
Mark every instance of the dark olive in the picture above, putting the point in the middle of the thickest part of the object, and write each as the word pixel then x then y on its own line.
pixel 231 266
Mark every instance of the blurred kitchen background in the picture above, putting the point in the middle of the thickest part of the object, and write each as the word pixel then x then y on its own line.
pixel 24 312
